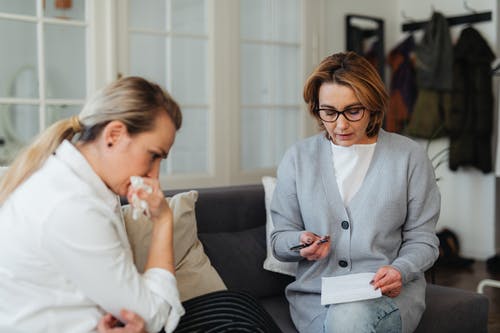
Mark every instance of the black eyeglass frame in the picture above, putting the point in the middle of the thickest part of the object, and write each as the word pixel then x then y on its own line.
pixel 361 108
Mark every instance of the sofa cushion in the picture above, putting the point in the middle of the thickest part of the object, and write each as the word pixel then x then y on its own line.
pixel 194 273
pixel 238 258
pixel 279 309
pixel 271 263
pixel 227 209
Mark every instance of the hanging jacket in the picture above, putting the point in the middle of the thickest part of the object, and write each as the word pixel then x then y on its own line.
pixel 434 55
pixel 434 59
pixel 403 89
pixel 470 121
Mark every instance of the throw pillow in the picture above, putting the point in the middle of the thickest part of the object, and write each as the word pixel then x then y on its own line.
pixel 194 273
pixel 271 263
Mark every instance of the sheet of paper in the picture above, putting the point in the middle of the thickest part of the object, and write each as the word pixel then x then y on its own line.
pixel 347 288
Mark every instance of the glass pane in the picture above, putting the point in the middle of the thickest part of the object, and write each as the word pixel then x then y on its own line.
pixel 190 150
pixel 256 68
pixel 147 57
pixel 285 131
pixel 257 139
pixel 266 135
pixel 286 75
pixel 65 61
pixel 287 20
pixel 18 68
pixel 148 14
pixel 188 16
pixel 58 112
pixel 256 19
pixel 65 9
pixel 188 65
pixel 23 7
pixel 18 125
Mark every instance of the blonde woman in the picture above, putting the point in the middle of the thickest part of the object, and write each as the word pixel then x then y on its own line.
pixel 64 255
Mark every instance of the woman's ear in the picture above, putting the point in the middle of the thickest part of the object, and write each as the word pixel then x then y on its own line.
pixel 113 132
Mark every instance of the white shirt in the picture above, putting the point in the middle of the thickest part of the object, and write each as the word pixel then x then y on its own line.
pixel 351 164
pixel 65 259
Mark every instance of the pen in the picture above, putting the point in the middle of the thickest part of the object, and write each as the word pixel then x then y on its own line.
pixel 304 245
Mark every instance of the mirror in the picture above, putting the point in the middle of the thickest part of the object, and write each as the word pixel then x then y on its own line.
pixel 365 36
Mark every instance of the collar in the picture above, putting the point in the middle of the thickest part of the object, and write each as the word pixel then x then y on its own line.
pixel 68 154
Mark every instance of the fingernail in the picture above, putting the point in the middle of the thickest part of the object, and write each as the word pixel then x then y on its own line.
pixel 371 282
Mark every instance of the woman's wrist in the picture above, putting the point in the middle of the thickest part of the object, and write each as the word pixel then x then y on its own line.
pixel 164 218
pixel 161 250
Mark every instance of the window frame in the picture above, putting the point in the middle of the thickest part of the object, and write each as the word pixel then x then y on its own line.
pixel 43 102
pixel 105 40
pixel 223 60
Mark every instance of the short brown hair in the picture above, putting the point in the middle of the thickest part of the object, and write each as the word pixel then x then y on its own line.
pixel 351 70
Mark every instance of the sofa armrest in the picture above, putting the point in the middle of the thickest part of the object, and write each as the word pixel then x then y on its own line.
pixel 453 310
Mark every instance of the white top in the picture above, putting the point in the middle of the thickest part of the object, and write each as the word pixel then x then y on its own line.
pixel 351 164
pixel 65 258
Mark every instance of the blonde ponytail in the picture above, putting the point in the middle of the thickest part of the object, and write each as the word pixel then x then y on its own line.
pixel 134 101
pixel 31 158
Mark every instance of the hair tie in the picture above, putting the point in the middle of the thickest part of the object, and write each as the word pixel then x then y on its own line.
pixel 75 124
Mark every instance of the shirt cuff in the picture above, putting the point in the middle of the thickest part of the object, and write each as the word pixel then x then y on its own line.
pixel 163 283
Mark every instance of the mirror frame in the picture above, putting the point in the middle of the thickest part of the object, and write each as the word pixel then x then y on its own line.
pixel 355 35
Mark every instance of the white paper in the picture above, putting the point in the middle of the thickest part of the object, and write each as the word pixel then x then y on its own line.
pixel 348 288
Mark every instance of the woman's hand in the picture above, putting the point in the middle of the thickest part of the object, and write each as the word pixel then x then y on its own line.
pixel 133 323
pixel 161 250
pixel 157 205
pixel 316 250
pixel 389 280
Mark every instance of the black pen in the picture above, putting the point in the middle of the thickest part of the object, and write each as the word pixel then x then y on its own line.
pixel 304 245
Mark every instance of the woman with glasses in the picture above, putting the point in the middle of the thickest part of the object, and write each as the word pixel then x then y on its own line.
pixel 356 199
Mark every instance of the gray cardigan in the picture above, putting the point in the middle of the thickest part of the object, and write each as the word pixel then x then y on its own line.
pixel 391 221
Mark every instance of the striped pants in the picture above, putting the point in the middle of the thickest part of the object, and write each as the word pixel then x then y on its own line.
pixel 225 311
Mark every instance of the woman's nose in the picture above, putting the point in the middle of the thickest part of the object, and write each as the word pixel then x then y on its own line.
pixel 155 170
pixel 342 122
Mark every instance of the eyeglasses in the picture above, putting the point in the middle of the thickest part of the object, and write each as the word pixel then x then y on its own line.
pixel 353 114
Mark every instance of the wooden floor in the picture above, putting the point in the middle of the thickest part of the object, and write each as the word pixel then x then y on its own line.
pixel 468 278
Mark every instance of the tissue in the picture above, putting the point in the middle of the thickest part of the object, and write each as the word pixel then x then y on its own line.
pixel 139 206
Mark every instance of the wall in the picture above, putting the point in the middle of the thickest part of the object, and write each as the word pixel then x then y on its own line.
pixel 468 196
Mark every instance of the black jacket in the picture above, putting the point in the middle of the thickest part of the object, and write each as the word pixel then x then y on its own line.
pixel 434 71
pixel 470 122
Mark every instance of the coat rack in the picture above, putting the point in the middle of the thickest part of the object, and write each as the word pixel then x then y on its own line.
pixel 454 20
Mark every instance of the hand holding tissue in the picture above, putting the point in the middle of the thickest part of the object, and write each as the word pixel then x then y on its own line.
pixel 139 206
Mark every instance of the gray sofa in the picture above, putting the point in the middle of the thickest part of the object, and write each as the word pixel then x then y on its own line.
pixel 231 226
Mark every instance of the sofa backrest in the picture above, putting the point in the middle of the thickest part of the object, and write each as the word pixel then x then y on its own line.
pixel 232 227
pixel 228 209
